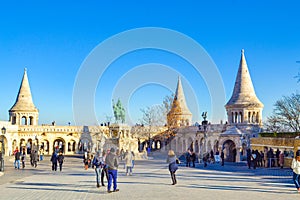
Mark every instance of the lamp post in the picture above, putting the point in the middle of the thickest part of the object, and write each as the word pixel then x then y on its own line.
pixel 3 131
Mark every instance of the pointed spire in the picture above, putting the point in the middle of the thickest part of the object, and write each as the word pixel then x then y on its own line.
pixel 243 92
pixel 179 115
pixel 24 99
pixel 179 96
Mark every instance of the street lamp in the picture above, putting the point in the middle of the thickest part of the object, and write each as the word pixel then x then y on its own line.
pixel 3 131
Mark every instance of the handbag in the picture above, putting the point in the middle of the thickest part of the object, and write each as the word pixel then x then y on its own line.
pixel 177 161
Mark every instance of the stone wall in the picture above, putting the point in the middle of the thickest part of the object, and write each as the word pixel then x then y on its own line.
pixel 289 144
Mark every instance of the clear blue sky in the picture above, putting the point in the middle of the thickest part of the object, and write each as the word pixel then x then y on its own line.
pixel 53 38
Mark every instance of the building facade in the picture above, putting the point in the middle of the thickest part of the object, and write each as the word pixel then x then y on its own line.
pixel 244 113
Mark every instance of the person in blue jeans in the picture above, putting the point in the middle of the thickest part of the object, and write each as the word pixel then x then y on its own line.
pixel 296 170
pixel 97 163
pixel 112 163
pixel 17 158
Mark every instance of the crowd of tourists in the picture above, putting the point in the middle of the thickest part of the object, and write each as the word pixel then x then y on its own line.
pixel 20 158
pixel 266 158
pixel 106 165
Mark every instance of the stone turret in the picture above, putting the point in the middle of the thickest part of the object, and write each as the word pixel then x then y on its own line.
pixel 179 114
pixel 244 107
pixel 24 112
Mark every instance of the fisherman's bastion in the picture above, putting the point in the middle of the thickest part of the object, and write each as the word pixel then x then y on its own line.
pixel 244 121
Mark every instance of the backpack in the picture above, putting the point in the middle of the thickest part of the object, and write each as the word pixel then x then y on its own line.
pixel 60 158
pixel 97 161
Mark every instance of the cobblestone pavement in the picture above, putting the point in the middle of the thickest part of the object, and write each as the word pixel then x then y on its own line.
pixel 150 180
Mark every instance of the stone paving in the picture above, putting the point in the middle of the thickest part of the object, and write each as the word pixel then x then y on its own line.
pixel 150 180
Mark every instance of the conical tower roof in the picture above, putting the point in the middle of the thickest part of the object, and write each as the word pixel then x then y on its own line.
pixel 24 99
pixel 179 96
pixel 243 93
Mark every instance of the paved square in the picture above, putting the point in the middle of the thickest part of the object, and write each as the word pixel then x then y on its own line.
pixel 150 180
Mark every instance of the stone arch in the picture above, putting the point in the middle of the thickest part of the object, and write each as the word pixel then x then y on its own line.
pixel 14 144
pixel 253 117
pixel 72 145
pixel 31 120
pixel 45 145
pixel 216 146
pixel 229 148
pixel 22 144
pixel 209 146
pixel 85 144
pixel 23 120
pixel 180 145
pixel 241 117
pixel 173 144
pixel 190 144
pixel 249 117
pixel 235 117
pixel 59 144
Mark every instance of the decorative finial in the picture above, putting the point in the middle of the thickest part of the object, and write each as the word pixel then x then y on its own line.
pixel 25 69
pixel 242 51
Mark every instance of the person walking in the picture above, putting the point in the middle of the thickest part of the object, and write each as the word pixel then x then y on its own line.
pixel 249 156
pixel 112 162
pixel 35 158
pixel 188 158
pixel 133 159
pixel 97 164
pixel 23 156
pixel 222 158
pixel 86 160
pixel 128 162
pixel 41 154
pixel 60 159
pixel 54 161
pixel 17 158
pixel 281 159
pixel 193 158
pixel 104 168
pixel 171 160
pixel 253 159
pixel 296 170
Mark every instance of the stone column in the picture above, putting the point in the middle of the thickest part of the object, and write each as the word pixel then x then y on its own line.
pixel 50 147
pixel 238 154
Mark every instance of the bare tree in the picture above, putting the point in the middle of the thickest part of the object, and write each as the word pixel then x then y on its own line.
pixel 273 124
pixel 286 113
pixel 168 101
pixel 153 116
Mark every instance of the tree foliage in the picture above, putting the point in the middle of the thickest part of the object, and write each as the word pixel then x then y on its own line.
pixel 286 114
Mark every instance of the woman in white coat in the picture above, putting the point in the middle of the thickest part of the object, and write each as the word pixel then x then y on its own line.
pixel 128 162
pixel 296 170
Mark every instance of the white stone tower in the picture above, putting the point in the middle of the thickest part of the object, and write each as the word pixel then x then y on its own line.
pixel 24 112
pixel 179 114
pixel 244 107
